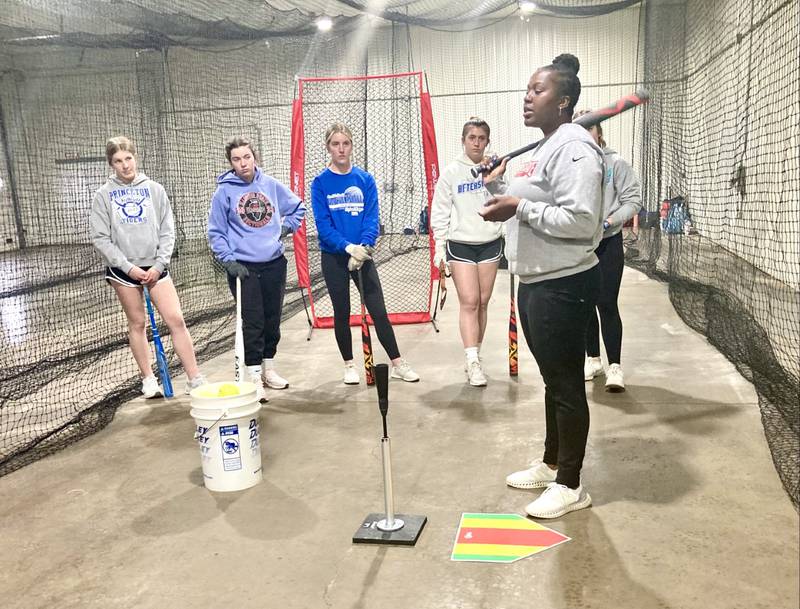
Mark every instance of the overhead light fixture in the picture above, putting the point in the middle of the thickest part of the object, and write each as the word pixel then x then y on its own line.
pixel 526 7
pixel 33 38
pixel 324 24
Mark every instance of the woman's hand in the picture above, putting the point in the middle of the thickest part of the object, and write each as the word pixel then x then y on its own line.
pixel 152 276
pixel 496 172
pixel 137 273
pixel 500 209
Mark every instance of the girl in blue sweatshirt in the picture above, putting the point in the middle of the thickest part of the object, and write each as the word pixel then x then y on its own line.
pixel 250 213
pixel 345 203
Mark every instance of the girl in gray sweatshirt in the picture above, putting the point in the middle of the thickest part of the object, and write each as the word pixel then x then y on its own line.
pixel 131 226
pixel 622 200
pixel 555 204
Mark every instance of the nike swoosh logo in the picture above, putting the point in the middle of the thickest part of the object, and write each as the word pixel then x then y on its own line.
pixel 575 160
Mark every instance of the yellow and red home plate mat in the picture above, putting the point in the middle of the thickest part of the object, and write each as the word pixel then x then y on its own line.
pixel 501 538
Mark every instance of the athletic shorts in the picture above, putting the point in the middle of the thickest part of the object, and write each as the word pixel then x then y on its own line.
pixel 474 253
pixel 116 275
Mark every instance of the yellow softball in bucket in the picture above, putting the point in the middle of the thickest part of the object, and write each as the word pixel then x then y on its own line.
pixel 227 389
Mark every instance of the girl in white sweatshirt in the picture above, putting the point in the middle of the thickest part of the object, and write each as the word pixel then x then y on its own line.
pixel 470 247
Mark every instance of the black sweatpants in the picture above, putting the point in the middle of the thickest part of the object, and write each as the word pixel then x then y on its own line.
pixel 612 263
pixel 337 279
pixel 554 314
pixel 262 301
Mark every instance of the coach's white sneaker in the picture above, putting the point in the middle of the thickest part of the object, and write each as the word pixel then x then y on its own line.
pixel 273 380
pixel 592 367
pixel 615 381
pixel 194 383
pixel 403 371
pixel 557 500
pixel 151 388
pixel 351 374
pixel 475 375
pixel 538 475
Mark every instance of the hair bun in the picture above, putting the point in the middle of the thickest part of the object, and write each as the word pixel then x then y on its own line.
pixel 474 119
pixel 567 62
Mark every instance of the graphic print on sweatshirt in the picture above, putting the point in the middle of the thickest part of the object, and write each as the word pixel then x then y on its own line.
pixel 350 201
pixel 255 209
pixel 527 169
pixel 131 204
pixel 470 186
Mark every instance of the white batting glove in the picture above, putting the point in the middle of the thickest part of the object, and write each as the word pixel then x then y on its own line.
pixel 353 264
pixel 359 252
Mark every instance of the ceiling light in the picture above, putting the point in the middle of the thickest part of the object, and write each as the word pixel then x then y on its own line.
pixel 32 38
pixel 324 24
pixel 526 7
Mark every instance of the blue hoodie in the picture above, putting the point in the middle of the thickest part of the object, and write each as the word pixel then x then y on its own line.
pixel 245 219
pixel 345 209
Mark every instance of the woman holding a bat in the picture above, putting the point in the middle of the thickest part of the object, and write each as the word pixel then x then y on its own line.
pixel 250 213
pixel 470 247
pixel 131 226
pixel 555 204
pixel 345 203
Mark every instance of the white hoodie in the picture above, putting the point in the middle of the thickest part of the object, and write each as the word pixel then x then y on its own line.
pixel 456 201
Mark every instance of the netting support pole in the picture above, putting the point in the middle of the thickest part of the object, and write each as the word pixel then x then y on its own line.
pixel 12 182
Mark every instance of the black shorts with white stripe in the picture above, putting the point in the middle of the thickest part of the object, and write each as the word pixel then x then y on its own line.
pixel 119 276
pixel 474 253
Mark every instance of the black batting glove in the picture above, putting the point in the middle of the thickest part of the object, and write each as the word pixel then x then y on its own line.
pixel 235 269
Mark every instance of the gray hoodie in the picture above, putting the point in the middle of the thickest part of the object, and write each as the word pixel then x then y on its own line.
pixel 131 224
pixel 622 192
pixel 559 220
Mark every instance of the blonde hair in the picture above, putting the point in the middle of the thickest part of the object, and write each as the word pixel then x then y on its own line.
pixel 337 128
pixel 115 144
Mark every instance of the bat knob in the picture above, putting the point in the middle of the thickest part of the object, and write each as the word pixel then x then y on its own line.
pixel 382 384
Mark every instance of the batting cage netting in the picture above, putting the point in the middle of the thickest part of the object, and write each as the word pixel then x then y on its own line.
pixel 716 148
pixel 393 139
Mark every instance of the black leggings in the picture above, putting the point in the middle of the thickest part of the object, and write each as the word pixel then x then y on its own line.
pixel 334 269
pixel 612 262
pixel 553 315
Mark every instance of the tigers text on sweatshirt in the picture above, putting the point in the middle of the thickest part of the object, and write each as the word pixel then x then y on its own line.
pixel 131 224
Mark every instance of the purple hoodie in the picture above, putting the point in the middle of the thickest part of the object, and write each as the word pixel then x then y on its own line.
pixel 245 219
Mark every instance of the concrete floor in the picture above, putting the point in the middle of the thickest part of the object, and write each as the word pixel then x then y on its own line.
pixel 688 511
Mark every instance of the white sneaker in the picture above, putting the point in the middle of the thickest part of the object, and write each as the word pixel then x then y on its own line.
pixel 475 374
pixel 538 475
pixel 558 500
pixel 151 388
pixel 273 380
pixel 403 371
pixel 592 367
pixel 194 383
pixel 351 374
pixel 615 381
pixel 261 395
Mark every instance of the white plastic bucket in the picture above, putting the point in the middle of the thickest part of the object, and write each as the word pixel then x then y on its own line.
pixel 226 428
